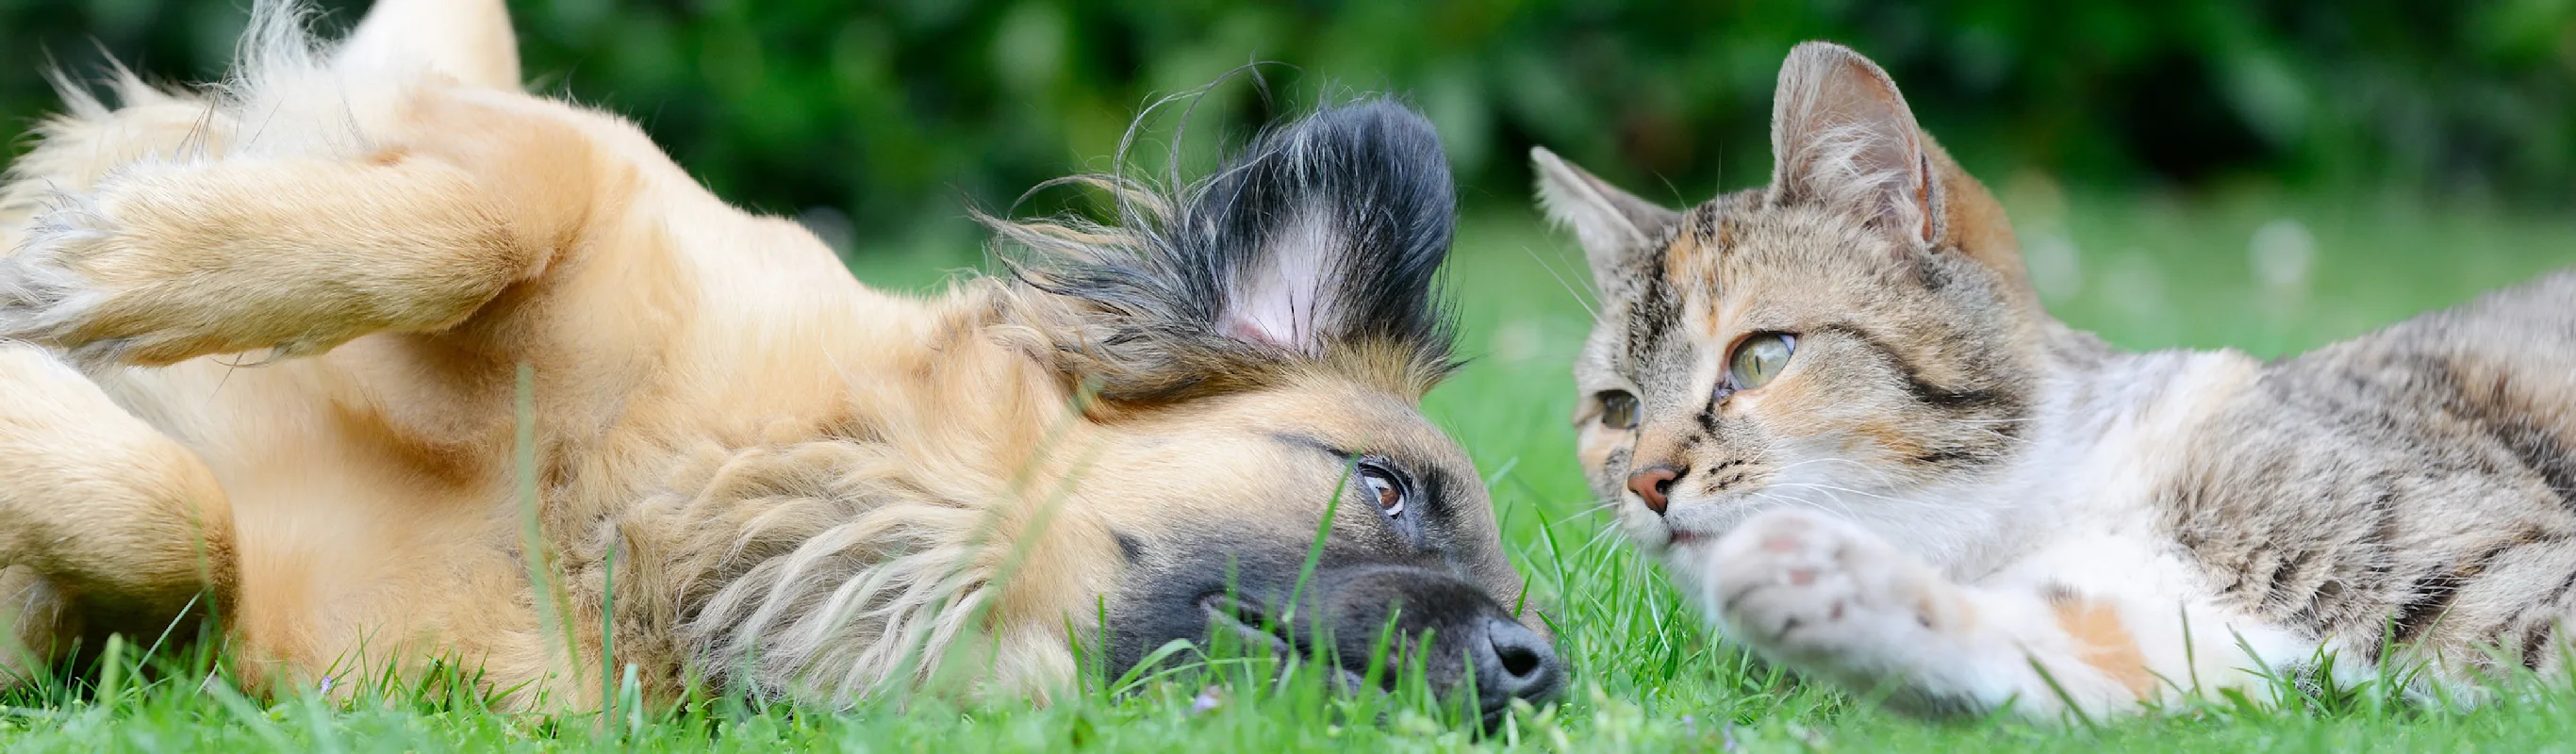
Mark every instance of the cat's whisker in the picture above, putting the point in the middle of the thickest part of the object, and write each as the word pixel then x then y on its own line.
pixel 1834 489
pixel 1579 300
pixel 1844 511
pixel 1877 474
pixel 1787 467
pixel 1599 538
pixel 1784 500
pixel 1587 511
pixel 1837 492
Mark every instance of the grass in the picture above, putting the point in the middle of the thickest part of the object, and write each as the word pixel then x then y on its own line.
pixel 1647 674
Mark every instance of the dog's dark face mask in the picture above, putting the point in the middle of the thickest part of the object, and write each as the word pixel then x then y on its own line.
pixel 1254 348
pixel 1409 574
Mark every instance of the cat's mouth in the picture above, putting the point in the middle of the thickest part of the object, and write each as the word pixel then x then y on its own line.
pixel 1697 528
pixel 1683 539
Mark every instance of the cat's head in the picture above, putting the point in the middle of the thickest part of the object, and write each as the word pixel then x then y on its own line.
pixel 1851 335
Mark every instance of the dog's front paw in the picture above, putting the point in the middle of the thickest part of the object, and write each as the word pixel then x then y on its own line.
pixel 1826 595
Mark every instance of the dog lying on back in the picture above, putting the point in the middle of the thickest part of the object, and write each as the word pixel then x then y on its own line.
pixel 1836 409
pixel 773 478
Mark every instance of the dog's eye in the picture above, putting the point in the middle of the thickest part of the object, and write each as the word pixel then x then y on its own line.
pixel 1380 484
pixel 1760 358
pixel 1618 409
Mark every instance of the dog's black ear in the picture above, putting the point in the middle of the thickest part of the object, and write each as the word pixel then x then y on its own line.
pixel 1328 231
pixel 1323 237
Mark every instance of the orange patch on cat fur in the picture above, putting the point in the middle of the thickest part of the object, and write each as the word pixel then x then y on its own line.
pixel 1726 314
pixel 2105 643
pixel 1947 612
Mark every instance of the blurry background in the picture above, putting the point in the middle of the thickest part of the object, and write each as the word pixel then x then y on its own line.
pixel 887 110
pixel 2195 171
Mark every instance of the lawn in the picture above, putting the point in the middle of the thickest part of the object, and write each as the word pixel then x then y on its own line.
pixel 2267 274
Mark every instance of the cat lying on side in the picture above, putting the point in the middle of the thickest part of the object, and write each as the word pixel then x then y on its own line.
pixel 1836 410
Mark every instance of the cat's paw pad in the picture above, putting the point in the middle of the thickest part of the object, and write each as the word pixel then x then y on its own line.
pixel 1816 589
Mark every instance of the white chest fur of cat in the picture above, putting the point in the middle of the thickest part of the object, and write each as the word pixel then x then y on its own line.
pixel 1837 412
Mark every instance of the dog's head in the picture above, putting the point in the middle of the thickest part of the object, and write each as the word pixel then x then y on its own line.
pixel 1252 349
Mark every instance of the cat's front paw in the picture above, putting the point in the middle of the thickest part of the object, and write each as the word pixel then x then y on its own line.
pixel 1827 595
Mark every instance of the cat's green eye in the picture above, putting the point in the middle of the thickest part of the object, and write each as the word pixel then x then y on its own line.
pixel 1618 409
pixel 1760 358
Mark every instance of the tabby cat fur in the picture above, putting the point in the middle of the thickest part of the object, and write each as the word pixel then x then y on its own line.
pixel 1836 411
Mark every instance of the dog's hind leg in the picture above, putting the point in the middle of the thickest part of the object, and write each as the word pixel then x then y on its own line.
pixel 163 261
pixel 398 182
pixel 101 516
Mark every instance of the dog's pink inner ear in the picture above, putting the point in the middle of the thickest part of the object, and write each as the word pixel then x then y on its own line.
pixel 1842 135
pixel 1282 299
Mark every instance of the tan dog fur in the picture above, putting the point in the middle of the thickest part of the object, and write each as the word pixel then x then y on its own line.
pixel 706 383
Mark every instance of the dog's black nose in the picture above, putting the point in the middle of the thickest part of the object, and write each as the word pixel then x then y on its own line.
pixel 1514 663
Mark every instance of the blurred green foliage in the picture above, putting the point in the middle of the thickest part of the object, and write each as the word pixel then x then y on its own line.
pixel 897 112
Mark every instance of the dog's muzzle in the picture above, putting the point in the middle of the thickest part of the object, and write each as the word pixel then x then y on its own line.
pixel 1389 617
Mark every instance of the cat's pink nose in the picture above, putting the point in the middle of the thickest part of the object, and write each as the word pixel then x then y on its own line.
pixel 1651 484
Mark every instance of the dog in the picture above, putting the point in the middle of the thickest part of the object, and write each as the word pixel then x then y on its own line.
pixel 369 360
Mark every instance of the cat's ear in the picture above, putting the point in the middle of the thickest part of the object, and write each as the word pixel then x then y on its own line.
pixel 1842 136
pixel 1615 227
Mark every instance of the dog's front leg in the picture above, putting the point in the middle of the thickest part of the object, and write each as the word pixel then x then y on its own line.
pixel 95 503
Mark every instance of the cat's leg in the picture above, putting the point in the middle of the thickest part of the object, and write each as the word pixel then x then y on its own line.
pixel 1831 600
pixel 100 515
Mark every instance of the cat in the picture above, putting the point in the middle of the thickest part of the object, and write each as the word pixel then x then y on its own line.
pixel 1836 411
